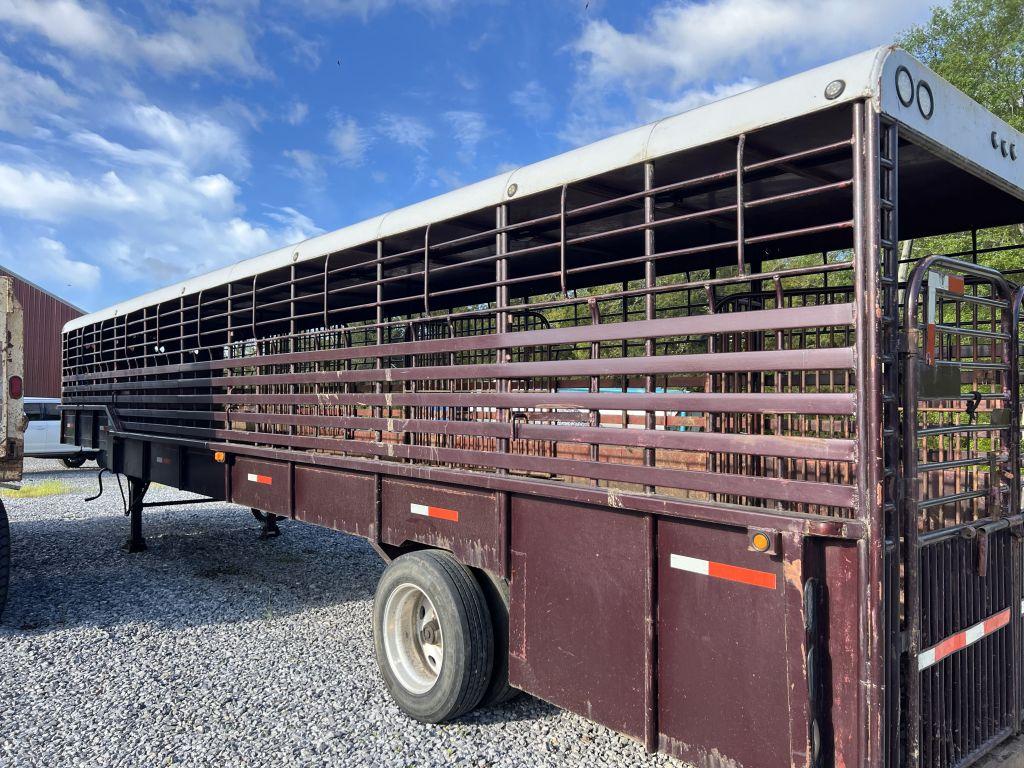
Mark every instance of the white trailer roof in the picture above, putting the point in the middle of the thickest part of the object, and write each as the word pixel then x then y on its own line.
pixel 966 132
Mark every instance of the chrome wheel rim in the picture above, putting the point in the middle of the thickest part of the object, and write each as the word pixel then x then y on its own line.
pixel 413 642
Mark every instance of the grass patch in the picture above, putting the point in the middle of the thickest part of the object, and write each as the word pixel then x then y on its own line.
pixel 36 490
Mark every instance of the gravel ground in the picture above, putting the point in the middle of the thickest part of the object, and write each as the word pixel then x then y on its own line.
pixel 216 649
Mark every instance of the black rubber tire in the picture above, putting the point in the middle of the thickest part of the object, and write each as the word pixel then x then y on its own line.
pixel 5 556
pixel 73 462
pixel 496 593
pixel 465 623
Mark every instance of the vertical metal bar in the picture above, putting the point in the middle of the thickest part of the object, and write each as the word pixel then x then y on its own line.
pixel 562 267
pixel 426 271
pixel 1016 553
pixel 327 272
pixel 869 490
pixel 199 325
pixel 741 236
pixel 254 277
pixel 595 381
pixel 714 420
pixel 888 161
pixel 501 316
pixel 293 389
pixel 377 410
pixel 650 305
pixel 230 324
pixel 318 387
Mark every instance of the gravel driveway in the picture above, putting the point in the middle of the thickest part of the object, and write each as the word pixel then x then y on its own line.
pixel 216 649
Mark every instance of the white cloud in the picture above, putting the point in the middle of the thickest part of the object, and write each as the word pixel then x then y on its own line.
pixel 198 141
pixel 303 51
pixel 207 40
pixel 305 165
pixel 467 81
pixel 157 225
pixel 204 41
pixel 533 101
pixel 297 112
pixel 349 140
pixel 683 54
pixel 468 129
pixel 366 8
pixel 28 98
pixel 50 257
pixel 67 24
pixel 693 41
pixel 653 108
pixel 119 153
pixel 405 130
pixel 297 226
pixel 50 194
pixel 445 178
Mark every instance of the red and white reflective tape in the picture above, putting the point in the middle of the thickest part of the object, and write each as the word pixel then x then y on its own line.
pixel 438 513
pixel 162 460
pixel 961 640
pixel 938 281
pixel 261 479
pixel 724 571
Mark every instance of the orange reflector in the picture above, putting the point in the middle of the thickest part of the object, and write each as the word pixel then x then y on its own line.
pixel 760 542
pixel 220 457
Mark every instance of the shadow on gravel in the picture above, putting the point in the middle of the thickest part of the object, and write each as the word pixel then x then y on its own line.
pixel 523 709
pixel 204 566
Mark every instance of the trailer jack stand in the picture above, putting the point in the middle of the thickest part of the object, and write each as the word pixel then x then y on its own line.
pixel 136 491
pixel 269 527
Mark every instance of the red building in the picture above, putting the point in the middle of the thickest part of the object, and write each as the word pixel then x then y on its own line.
pixel 45 315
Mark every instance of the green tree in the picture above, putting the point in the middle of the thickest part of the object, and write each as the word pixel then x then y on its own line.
pixel 978 46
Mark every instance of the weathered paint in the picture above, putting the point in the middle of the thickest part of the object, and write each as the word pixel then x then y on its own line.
pixel 581 609
pixel 722 649
pixel 12 360
pixel 44 316
pixel 336 499
pixel 470 527
pixel 273 496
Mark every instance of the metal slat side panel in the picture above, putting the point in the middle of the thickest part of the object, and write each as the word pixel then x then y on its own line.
pixel 567 336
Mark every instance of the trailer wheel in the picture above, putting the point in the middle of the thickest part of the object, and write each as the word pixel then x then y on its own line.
pixel 433 637
pixel 496 592
pixel 5 556
pixel 73 462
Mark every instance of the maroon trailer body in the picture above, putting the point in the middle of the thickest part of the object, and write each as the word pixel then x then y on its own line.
pixel 663 428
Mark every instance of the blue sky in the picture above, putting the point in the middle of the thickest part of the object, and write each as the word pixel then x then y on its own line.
pixel 141 143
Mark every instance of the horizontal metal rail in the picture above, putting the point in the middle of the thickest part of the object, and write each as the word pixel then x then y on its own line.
pixel 758 445
pixel 838 315
pixel 773 488
pixel 726 362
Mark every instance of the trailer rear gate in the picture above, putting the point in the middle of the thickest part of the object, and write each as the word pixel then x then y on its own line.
pixel 667 402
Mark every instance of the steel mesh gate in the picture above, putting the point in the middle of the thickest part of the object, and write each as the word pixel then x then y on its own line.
pixel 962 522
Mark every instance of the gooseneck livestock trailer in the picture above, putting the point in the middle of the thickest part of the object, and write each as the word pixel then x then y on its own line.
pixel 675 430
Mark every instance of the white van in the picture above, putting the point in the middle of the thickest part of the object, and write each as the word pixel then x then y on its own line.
pixel 42 433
